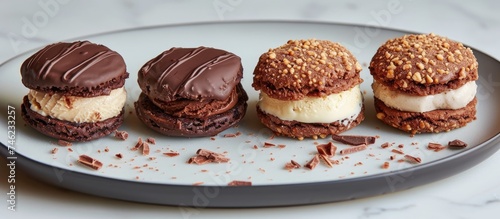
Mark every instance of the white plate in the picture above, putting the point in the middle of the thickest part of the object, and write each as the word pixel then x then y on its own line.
pixel 170 180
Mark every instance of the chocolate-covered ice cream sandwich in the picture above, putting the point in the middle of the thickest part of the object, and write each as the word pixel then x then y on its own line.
pixel 191 92
pixel 76 90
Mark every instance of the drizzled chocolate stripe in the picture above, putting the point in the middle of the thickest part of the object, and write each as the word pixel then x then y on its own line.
pixel 174 87
pixel 72 74
pixel 49 63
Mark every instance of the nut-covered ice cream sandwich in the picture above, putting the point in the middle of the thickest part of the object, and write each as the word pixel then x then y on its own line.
pixel 424 83
pixel 309 88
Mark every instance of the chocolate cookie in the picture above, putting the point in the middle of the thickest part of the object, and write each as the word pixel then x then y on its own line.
pixel 191 92
pixel 76 90
pixel 431 121
pixel 309 88
pixel 424 83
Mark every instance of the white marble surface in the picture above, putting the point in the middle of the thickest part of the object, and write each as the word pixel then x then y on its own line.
pixel 474 193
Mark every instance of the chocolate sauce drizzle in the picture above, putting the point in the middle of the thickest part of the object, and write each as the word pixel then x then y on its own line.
pixel 191 73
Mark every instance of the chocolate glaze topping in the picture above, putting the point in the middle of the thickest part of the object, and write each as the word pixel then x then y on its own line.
pixel 78 64
pixel 191 73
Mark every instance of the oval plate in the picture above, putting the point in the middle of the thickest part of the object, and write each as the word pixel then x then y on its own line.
pixel 160 179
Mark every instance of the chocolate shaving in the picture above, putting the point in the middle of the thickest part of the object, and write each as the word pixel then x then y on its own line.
pixel 54 150
pixel 64 143
pixel 354 139
pixel 385 165
pixel 90 162
pixel 145 148
pixel 239 183
pixel 326 149
pixel 229 135
pixel 205 156
pixel 435 146
pixel 172 154
pixel 119 155
pixel 457 144
pixel 413 159
pixel 325 159
pixel 397 151
pixel 151 140
pixel 313 162
pixel 292 165
pixel 122 135
pixel 353 149
pixel 385 145
pixel 268 145
pixel 138 145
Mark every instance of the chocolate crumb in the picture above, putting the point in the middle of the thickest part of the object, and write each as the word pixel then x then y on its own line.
pixel 106 149
pixel 401 146
pixel 326 149
pixel 313 162
pixel 151 140
pixel 457 144
pixel 152 158
pixel 255 147
pixel 354 139
pixel 413 159
pixel 212 138
pixel 281 146
pixel 119 155
pixel 54 150
pixel 198 183
pixel 292 165
pixel 205 156
pixel 353 149
pixel 61 142
pixel 392 157
pixel 239 183
pixel 90 162
pixel 122 135
pixel 70 150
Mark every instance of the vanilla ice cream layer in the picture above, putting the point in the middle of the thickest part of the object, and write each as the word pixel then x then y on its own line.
pixel 332 108
pixel 452 99
pixel 78 109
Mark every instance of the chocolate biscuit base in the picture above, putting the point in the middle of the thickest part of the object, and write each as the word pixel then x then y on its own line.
pixel 156 119
pixel 69 131
pixel 432 121
pixel 302 130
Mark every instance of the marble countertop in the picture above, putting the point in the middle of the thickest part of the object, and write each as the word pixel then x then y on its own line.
pixel 474 193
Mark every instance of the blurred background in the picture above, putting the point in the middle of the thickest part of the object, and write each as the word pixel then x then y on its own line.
pixel 30 24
